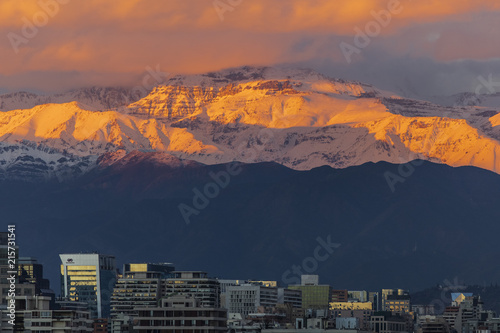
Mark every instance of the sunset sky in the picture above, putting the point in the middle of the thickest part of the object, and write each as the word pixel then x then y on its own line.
pixel 427 47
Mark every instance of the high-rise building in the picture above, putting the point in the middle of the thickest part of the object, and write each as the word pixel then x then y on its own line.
pixel 196 284
pixel 9 273
pixel 31 272
pixel 374 297
pixel 140 286
pixel 89 278
pixel 314 295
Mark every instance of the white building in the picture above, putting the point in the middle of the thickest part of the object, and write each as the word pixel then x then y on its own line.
pixel 246 298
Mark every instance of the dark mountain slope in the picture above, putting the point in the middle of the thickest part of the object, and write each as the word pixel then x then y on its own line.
pixel 440 223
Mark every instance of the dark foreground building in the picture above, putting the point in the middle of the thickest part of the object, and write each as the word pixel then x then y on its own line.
pixel 181 314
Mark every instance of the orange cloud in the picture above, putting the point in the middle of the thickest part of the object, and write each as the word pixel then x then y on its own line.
pixel 256 15
pixel 125 36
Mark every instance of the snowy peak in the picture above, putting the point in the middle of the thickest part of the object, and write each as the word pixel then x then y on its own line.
pixel 34 162
pixel 68 127
pixel 247 95
pixel 305 78
pixel 93 98
pixel 242 75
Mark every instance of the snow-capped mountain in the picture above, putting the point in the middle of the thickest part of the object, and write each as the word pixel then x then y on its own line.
pixel 28 161
pixel 94 98
pixel 298 118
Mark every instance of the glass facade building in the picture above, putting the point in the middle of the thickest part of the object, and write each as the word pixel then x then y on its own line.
pixel 89 278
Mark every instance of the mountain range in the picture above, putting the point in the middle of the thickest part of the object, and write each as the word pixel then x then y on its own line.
pixel 296 117
pixel 440 223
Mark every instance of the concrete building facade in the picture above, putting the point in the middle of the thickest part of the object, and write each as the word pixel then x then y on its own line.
pixel 247 298
pixel 181 314
pixel 140 286
pixel 196 284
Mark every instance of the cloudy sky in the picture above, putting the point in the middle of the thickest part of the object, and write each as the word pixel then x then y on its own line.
pixel 414 47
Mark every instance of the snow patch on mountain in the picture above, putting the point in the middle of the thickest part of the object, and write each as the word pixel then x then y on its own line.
pixel 32 162
pixel 93 98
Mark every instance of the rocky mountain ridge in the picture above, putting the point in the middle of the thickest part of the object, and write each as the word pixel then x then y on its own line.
pixel 298 118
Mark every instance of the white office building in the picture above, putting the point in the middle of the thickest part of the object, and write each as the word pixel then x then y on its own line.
pixel 246 298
